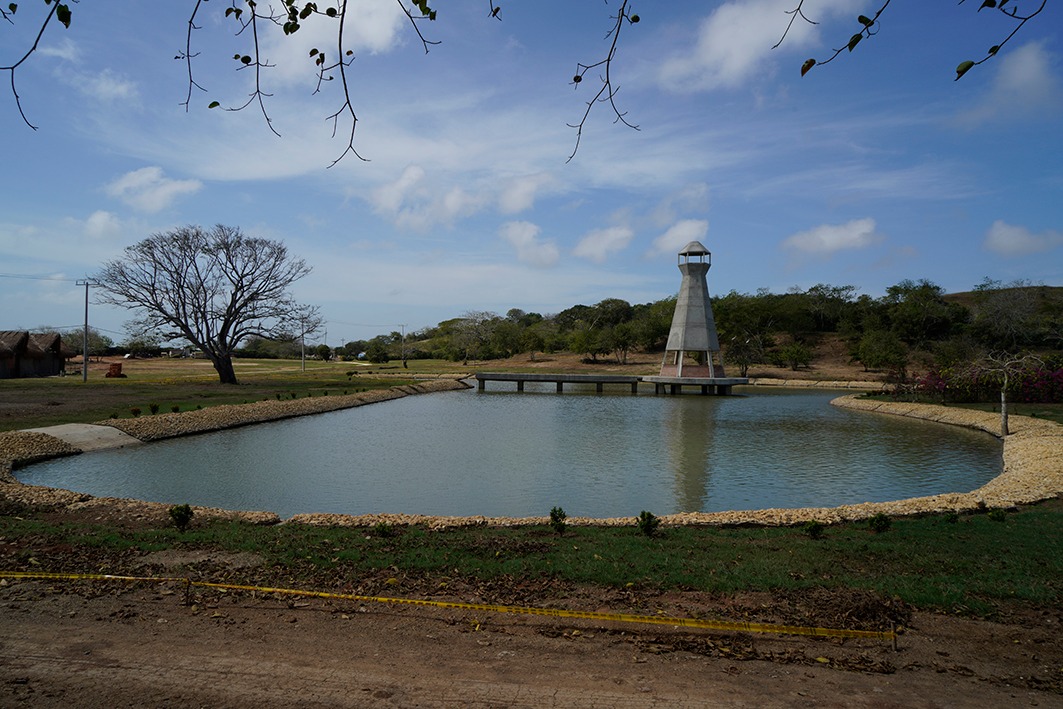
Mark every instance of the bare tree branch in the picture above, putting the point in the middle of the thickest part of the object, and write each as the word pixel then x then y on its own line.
pixel 55 9
pixel 607 92
pixel 870 28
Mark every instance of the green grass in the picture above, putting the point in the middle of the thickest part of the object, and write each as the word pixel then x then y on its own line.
pixel 188 384
pixel 971 566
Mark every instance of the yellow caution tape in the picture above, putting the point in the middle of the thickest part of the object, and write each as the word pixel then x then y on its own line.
pixel 771 628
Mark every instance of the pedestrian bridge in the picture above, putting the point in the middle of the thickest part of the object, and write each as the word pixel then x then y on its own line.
pixel 672 385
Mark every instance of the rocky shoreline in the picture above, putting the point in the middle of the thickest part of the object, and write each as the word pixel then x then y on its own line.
pixel 1033 468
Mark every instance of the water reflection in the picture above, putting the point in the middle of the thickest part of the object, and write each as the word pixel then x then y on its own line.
pixel 504 453
pixel 689 428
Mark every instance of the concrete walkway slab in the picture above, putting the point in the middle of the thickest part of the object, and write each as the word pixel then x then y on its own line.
pixel 89 437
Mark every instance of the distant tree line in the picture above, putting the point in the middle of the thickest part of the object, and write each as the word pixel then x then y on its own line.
pixel 914 323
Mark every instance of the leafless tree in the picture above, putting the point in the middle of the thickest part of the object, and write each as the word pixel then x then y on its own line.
pixel 1006 366
pixel 214 288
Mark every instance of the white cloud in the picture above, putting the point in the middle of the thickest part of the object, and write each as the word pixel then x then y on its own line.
pixel 520 193
pixel 413 203
pixel 829 238
pixel 524 238
pixel 105 86
pixel 1024 86
pixel 101 225
pixel 148 190
pixel 679 235
pixel 372 27
pixel 63 49
pixel 734 43
pixel 1009 240
pixel 600 243
pixel 390 197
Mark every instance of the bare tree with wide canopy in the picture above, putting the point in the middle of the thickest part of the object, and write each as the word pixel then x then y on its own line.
pixel 213 287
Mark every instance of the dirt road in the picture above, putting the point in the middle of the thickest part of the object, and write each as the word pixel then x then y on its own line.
pixel 64 645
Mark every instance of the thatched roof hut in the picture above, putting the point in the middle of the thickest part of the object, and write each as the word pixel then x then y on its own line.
pixel 28 354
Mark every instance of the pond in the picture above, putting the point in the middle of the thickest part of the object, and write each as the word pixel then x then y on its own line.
pixel 502 453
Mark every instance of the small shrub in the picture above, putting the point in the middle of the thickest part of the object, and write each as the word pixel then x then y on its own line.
pixel 154 408
pixel 383 529
pixel 647 523
pixel 114 414
pixel 814 529
pixel 199 407
pixel 175 409
pixel 879 523
pixel 181 516
pixel 135 411
pixel 557 520
pixel 278 396
pixel 951 517
pixel 997 514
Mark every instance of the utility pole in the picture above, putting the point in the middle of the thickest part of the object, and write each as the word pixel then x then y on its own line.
pixel 85 335
pixel 402 344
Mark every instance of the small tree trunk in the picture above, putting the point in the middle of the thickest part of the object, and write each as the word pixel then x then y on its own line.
pixel 1004 413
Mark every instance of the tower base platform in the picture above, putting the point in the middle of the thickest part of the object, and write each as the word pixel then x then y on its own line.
pixel 721 386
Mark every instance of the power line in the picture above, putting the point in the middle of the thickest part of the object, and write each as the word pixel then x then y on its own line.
pixel 38 278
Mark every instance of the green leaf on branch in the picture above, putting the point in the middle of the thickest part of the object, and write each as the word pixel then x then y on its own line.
pixel 994 49
pixel 855 40
pixel 865 20
pixel 213 104
pixel 987 3
pixel 245 59
pixel 809 63
pixel 13 7
pixel 963 68
pixel 62 13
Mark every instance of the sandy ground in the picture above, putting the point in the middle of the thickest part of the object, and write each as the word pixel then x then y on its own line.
pixel 63 644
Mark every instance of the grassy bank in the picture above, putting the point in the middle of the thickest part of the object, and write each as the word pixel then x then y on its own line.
pixel 1050 412
pixel 973 564
pixel 186 384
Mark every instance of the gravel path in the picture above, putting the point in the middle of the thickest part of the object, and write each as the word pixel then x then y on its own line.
pixel 1033 467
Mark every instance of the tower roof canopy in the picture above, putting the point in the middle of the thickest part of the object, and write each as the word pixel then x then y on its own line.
pixel 694 248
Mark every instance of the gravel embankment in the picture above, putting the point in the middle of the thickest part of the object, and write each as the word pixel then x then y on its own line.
pixel 1033 468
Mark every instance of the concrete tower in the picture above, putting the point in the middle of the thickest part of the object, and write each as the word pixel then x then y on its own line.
pixel 693 349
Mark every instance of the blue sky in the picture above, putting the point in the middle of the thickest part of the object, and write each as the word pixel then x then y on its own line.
pixel 875 168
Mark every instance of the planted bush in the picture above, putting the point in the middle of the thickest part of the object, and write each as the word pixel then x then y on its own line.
pixel 181 516
pixel 879 523
pixel 647 523
pixel 814 529
pixel 135 411
pixel 557 520
pixel 154 408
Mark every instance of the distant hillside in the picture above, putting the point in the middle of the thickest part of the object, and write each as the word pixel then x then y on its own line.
pixel 1051 296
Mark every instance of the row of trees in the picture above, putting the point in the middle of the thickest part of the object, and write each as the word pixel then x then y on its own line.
pixel 226 294
pixel 763 327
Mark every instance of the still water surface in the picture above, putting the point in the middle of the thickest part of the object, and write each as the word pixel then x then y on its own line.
pixel 508 454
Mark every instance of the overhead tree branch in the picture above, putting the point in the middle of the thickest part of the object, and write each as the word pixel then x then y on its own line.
pixel 607 92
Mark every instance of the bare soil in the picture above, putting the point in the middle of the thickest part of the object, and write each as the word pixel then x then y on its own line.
pixel 115 643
